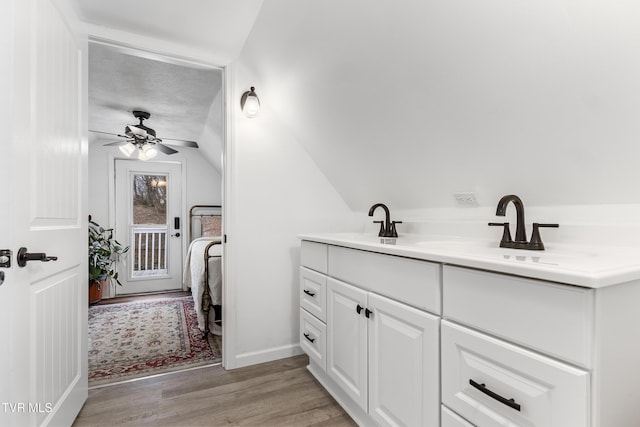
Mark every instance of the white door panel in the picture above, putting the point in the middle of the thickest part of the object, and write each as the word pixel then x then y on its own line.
pixel 148 198
pixel 45 373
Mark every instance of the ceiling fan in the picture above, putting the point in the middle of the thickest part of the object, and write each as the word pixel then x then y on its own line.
pixel 144 139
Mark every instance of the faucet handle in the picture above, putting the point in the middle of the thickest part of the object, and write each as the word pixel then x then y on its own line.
pixel 536 242
pixel 382 230
pixel 392 229
pixel 506 234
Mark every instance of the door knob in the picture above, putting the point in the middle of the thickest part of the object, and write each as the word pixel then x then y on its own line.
pixel 24 256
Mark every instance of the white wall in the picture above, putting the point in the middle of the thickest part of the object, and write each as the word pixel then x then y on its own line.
pixel 410 102
pixel 277 192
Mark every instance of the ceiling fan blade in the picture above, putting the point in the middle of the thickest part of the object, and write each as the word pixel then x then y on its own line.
pixel 181 142
pixel 165 149
pixel 117 143
pixel 109 133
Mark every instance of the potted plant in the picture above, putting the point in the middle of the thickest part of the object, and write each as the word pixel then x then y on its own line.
pixel 104 253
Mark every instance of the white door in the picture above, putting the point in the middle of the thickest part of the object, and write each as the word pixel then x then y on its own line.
pixel 347 339
pixel 43 360
pixel 404 364
pixel 148 208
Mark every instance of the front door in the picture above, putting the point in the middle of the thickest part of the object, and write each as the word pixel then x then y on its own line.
pixel 43 301
pixel 148 207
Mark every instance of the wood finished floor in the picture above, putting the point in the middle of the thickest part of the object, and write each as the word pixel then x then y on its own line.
pixel 279 393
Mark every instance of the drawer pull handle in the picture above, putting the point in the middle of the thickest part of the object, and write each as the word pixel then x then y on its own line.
pixel 509 402
pixel 308 337
pixel 311 294
pixel 359 308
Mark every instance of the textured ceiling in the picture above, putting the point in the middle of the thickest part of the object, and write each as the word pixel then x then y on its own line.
pixel 179 98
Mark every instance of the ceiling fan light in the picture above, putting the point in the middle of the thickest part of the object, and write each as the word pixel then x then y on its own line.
pixel 142 155
pixel 150 151
pixel 127 149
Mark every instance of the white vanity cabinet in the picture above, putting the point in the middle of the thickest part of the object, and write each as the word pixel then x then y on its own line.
pixel 401 340
pixel 526 352
pixel 382 355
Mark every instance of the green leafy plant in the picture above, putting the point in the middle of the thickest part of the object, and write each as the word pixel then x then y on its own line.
pixel 104 253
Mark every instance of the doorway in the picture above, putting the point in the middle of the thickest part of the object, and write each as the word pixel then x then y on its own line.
pixel 148 202
pixel 120 80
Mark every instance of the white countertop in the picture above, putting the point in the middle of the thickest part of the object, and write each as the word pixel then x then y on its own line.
pixel 587 266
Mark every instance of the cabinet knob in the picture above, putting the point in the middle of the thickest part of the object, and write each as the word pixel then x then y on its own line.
pixel 359 308
pixel 367 313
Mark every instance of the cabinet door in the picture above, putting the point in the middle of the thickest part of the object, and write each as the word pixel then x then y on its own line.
pixel 403 364
pixel 347 339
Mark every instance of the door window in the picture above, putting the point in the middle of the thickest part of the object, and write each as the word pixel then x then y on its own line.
pixel 150 228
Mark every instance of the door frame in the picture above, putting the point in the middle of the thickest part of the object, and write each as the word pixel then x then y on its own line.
pixel 159 52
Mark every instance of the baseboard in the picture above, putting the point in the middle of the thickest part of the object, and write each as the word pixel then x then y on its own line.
pixel 267 355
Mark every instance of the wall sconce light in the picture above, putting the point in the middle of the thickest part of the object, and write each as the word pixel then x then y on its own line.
pixel 250 103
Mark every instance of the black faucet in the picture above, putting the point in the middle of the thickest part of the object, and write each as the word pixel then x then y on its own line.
pixel 388 228
pixel 521 236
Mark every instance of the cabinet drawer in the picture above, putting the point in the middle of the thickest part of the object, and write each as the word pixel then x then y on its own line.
pixel 313 293
pixel 451 419
pixel 551 318
pixel 313 340
pixel 480 376
pixel 411 281
pixel 314 256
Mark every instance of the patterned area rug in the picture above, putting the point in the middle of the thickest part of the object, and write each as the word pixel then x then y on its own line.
pixel 138 339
